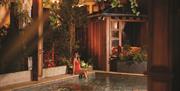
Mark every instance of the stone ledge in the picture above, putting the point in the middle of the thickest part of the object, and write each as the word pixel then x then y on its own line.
pixel 13 78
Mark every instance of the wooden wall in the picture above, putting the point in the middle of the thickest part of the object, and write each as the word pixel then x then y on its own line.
pixel 175 33
pixel 159 24
pixel 164 20
pixel 96 42
pixel 159 84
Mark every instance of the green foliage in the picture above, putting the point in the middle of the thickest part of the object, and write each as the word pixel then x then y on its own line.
pixel 62 15
pixel 126 47
pixel 55 19
pixel 134 7
pixel 131 57
pixel 22 15
pixel 59 40
pixel 64 61
pixel 84 65
pixel 117 3
pixel 3 32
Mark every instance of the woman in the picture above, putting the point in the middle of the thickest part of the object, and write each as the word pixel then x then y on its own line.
pixel 77 66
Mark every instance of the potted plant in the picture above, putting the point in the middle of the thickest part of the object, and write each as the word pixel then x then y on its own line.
pixel 86 66
pixel 132 59
pixel 132 55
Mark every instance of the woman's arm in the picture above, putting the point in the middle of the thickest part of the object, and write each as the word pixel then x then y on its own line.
pixel 73 67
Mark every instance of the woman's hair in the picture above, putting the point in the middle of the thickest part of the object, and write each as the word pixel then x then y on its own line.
pixel 74 55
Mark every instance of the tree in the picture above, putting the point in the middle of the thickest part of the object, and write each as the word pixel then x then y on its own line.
pixel 64 20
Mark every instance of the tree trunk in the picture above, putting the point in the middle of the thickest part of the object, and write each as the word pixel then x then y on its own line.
pixel 72 37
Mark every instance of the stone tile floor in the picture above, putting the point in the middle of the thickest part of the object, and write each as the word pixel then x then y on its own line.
pixel 36 83
pixel 93 83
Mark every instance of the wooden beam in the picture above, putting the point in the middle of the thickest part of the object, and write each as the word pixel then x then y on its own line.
pixel 159 24
pixel 90 4
pixel 107 43
pixel 37 15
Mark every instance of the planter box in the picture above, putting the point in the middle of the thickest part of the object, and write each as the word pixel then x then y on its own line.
pixel 48 72
pixel 134 68
pixel 16 77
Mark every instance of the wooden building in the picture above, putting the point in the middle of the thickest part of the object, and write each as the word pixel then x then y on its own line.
pixel 110 30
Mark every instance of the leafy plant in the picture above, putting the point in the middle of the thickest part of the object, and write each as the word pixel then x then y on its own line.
pixel 3 32
pixel 63 23
pixel 134 7
pixel 22 14
pixel 84 65
pixel 131 56
pixel 117 3
pixel 64 61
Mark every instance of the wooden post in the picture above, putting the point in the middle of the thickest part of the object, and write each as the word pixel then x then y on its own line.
pixel 37 13
pixel 107 43
pixel 159 24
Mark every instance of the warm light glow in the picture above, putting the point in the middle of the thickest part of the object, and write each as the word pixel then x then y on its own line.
pixel 55 1
pixel 81 3
pixel 4 17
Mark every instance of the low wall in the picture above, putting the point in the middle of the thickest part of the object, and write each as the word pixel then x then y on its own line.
pixel 16 77
pixel 133 68
pixel 48 72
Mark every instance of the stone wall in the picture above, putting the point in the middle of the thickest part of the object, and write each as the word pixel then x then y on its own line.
pixel 133 68
pixel 49 72
pixel 13 78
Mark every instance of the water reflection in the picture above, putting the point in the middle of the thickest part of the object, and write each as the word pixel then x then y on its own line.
pixel 107 83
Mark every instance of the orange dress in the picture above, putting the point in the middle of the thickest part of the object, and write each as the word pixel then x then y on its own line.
pixel 77 66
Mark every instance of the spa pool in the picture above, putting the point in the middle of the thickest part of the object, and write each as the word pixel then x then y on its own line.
pixel 95 82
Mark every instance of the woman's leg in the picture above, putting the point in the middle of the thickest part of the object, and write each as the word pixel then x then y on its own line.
pixel 85 74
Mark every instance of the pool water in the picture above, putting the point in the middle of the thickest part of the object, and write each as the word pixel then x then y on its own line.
pixel 94 83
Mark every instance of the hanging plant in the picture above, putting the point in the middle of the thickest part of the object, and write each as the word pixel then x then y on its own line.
pixel 116 3
pixel 134 7
pixel 120 3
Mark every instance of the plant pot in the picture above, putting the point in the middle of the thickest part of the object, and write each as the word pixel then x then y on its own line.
pixel 133 68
